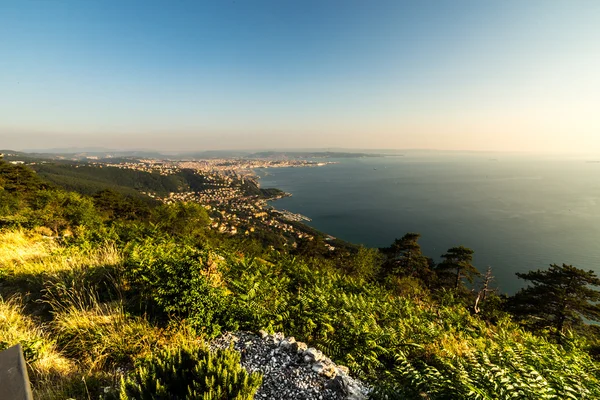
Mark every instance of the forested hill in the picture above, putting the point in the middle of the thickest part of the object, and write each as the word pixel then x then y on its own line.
pixel 90 179
pixel 108 297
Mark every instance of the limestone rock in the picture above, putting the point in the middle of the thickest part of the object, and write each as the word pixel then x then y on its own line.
pixel 291 370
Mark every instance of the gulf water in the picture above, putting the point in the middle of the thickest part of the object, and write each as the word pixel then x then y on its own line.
pixel 518 212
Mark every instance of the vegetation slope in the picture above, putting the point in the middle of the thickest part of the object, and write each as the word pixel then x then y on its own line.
pixel 107 299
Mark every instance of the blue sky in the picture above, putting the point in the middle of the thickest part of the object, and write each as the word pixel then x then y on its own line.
pixel 470 75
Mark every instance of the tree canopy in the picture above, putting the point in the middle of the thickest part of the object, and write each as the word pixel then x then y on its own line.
pixel 559 297
pixel 404 258
pixel 457 265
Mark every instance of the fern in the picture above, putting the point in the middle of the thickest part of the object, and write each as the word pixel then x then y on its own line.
pixel 191 373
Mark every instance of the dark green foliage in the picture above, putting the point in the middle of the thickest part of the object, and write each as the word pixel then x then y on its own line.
pixel 26 200
pixel 118 206
pixel 362 263
pixel 271 192
pixel 558 298
pixel 19 180
pixel 19 185
pixel 456 266
pixel 177 280
pixel 89 179
pixel 60 210
pixel 392 331
pixel 404 258
pixel 182 219
pixel 191 373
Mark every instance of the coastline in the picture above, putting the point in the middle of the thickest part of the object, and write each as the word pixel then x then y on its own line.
pixel 285 214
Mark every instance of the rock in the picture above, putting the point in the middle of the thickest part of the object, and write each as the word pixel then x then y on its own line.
pixel 313 353
pixel 336 384
pixel 287 343
pixel 300 347
pixel 329 371
pixel 318 368
pixel 285 373
pixel 342 370
pixel 353 389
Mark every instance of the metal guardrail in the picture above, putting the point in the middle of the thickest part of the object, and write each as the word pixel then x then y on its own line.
pixel 14 381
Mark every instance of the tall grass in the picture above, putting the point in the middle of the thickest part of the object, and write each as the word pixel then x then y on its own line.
pixel 47 366
pixel 22 248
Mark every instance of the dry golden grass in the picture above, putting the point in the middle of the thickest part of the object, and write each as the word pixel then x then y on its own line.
pixel 30 253
pixel 18 247
pixel 46 364
pixel 97 334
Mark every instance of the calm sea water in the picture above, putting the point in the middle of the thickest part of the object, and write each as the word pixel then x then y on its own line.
pixel 518 213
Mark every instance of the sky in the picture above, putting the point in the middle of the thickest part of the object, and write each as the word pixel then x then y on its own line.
pixel 503 75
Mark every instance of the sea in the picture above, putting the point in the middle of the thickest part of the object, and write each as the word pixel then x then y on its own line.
pixel 518 212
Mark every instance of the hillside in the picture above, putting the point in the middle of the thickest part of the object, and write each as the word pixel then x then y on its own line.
pixel 108 296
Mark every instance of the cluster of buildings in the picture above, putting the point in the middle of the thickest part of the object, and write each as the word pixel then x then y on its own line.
pixel 245 164
pixel 163 168
pixel 233 212
pixel 223 191
pixel 221 166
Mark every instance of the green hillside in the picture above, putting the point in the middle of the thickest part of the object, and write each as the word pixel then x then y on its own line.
pixel 90 179
pixel 103 290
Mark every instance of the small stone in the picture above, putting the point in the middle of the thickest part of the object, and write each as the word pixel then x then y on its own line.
pixel 287 343
pixel 314 354
pixel 329 371
pixel 318 367
pixel 343 370
pixel 263 334
pixel 335 384
pixel 301 347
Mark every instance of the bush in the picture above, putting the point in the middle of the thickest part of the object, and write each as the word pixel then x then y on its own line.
pixel 191 373
pixel 171 279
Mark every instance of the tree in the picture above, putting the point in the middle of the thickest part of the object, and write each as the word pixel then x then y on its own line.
pixel 483 293
pixel 364 263
pixel 117 206
pixel 62 211
pixel 183 219
pixel 558 298
pixel 456 266
pixel 404 258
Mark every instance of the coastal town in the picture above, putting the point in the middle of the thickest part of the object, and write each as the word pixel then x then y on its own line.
pixel 231 194
pixel 222 166
pixel 228 188
pixel 233 198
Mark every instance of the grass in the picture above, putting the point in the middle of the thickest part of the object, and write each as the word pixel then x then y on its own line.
pixel 66 304
pixel 22 248
pixel 46 364
pixel 63 305
pixel 28 253
pixel 103 335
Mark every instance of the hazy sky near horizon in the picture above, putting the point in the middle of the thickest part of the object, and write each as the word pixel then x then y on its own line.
pixel 191 75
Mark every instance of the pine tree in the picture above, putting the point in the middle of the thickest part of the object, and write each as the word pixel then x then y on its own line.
pixel 558 298
pixel 456 266
pixel 404 258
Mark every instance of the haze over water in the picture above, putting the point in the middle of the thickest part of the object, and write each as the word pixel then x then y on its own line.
pixel 517 212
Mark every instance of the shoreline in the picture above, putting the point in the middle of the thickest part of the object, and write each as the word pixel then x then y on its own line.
pixel 286 214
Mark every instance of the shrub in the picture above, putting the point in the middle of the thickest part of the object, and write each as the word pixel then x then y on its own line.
pixel 172 279
pixel 191 373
